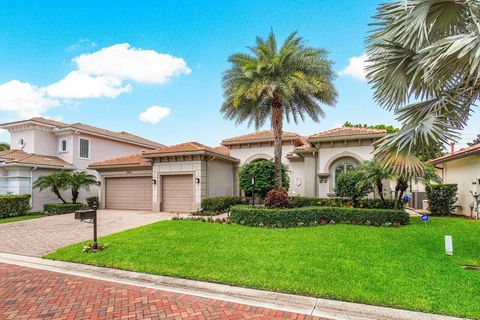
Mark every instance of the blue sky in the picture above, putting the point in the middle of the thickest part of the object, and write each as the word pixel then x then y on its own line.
pixel 40 74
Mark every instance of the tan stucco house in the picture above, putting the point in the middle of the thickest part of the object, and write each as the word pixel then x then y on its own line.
pixel 40 146
pixel 463 168
pixel 176 178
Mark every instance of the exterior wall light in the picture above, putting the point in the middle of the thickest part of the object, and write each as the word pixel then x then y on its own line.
pixel 99 183
pixel 154 181
pixel 197 180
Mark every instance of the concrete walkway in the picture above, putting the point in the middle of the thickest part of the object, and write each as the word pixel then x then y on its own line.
pixel 37 237
pixel 284 302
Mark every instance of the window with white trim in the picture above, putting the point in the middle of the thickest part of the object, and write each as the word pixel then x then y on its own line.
pixel 62 145
pixel 84 148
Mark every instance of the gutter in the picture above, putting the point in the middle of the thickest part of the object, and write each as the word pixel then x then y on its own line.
pixel 14 164
pixel 457 156
pixel 348 138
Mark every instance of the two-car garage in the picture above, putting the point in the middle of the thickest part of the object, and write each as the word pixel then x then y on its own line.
pixel 135 193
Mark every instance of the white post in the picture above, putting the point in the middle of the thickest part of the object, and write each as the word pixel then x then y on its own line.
pixel 448 245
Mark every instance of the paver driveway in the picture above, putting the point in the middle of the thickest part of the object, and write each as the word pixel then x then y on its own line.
pixel 38 237
pixel 37 294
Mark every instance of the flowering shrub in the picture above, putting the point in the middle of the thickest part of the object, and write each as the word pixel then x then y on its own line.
pixel 277 198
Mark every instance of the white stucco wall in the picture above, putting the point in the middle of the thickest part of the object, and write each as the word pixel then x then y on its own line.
pixel 220 178
pixel 244 154
pixel 297 177
pixel 462 172
pixel 29 138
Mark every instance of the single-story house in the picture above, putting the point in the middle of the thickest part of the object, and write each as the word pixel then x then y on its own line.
pixel 176 178
pixel 463 168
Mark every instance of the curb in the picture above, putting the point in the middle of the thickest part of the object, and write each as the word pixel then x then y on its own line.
pixel 266 299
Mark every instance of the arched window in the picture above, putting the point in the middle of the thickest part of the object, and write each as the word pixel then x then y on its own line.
pixel 341 166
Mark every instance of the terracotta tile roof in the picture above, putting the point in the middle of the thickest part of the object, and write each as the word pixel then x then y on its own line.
pixel 189 147
pixel 266 135
pixel 473 149
pixel 347 132
pixel 128 137
pixel 133 159
pixel 21 157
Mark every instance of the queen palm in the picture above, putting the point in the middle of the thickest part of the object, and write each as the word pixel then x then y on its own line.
pixel 424 64
pixel 274 82
pixel 375 173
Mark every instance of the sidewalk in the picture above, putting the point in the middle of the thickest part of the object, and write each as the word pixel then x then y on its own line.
pixel 284 302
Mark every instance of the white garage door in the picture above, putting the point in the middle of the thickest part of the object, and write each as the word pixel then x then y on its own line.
pixel 132 193
pixel 177 193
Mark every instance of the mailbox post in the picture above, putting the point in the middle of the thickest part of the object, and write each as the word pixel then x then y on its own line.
pixel 89 216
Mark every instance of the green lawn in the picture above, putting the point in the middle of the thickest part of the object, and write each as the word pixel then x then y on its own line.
pixel 20 218
pixel 398 267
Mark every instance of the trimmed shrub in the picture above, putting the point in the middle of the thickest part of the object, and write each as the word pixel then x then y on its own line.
pixel 215 205
pixel 61 208
pixel 14 205
pixel 264 174
pixel 290 217
pixel 277 198
pixel 301 201
pixel 377 204
pixel 441 198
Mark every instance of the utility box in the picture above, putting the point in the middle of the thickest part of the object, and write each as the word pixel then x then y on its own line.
pixel 476 187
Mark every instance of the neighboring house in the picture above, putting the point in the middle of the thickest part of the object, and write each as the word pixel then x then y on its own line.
pixel 177 178
pixel 40 146
pixel 463 168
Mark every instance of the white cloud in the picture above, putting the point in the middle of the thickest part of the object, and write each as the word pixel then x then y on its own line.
pixel 128 63
pixel 25 99
pixel 80 85
pixel 83 43
pixel 356 68
pixel 154 114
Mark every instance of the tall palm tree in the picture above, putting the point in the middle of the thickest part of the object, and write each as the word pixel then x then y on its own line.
pixel 426 51
pixel 78 180
pixel 271 83
pixel 56 182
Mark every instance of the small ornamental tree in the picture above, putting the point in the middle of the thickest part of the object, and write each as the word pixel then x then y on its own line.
pixel 277 198
pixel 352 184
pixel 264 173
pixel 441 198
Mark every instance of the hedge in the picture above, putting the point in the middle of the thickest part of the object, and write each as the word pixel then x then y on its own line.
pixel 301 201
pixel 441 198
pixel 215 205
pixel 14 205
pixel 61 208
pixel 288 217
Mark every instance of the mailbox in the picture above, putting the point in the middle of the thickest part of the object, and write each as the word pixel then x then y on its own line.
pixel 85 214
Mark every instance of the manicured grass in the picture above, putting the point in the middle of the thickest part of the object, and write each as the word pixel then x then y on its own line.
pixel 398 267
pixel 20 218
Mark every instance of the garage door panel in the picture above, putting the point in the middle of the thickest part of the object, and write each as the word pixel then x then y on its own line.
pixel 177 193
pixel 132 193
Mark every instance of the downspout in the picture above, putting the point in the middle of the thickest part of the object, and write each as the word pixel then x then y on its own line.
pixel 31 185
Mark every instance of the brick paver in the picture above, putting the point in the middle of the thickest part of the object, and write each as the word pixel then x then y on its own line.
pixel 27 293
pixel 38 237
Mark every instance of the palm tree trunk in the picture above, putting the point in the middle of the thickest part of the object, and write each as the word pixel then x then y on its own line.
pixel 380 191
pixel 277 126
pixel 57 193
pixel 74 196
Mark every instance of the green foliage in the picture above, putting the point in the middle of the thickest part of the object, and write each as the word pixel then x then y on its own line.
pixel 277 198
pixel 14 205
pixel 426 51
pixel 215 205
pixel 351 184
pixel 4 146
pixel 78 180
pixel 264 174
pixel 56 182
pixel 91 201
pixel 441 198
pixel 61 208
pixel 474 141
pixel 289 217
pixel 300 201
pixel 388 128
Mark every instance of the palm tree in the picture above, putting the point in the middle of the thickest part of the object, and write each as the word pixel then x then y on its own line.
pixel 427 51
pixel 57 181
pixel 272 83
pixel 78 180
pixel 375 173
